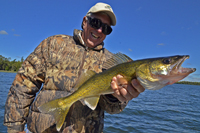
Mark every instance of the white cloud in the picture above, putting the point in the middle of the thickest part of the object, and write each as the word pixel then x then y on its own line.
pixel 3 32
pixel 161 44
pixel 192 78
pixel 196 22
pixel 17 35
pixel 139 8
pixel 163 33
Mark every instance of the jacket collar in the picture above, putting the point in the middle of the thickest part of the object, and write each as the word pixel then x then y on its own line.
pixel 78 39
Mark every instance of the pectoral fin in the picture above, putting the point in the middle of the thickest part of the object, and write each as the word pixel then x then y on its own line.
pixel 85 75
pixel 92 102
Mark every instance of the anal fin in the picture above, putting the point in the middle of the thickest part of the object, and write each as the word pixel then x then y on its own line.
pixel 92 102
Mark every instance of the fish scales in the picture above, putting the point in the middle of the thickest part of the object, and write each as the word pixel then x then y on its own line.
pixel 153 74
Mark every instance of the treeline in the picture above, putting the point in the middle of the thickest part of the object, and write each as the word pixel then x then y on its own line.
pixel 7 65
pixel 188 82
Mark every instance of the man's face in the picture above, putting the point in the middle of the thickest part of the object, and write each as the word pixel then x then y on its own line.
pixel 91 36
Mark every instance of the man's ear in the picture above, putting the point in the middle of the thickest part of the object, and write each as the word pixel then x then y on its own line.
pixel 84 22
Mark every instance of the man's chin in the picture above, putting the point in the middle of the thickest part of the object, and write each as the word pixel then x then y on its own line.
pixel 90 44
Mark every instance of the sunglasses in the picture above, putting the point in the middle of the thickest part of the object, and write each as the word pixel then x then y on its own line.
pixel 96 23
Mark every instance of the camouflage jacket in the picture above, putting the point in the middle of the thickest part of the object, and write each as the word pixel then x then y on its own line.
pixel 55 66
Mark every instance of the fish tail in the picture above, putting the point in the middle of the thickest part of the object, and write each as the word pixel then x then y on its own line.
pixel 58 109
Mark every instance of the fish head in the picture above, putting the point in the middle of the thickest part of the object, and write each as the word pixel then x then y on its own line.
pixel 159 72
pixel 169 69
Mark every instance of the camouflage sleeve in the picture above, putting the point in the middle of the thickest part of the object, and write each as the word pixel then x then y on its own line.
pixel 111 104
pixel 23 90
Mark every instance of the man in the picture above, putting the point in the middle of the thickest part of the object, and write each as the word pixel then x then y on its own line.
pixel 56 64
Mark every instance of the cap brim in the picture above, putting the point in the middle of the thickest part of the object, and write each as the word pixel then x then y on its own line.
pixel 110 14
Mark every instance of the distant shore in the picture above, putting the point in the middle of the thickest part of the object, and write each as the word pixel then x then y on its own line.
pixel 8 71
pixel 188 83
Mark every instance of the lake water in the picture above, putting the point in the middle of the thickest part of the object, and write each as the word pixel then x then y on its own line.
pixel 174 108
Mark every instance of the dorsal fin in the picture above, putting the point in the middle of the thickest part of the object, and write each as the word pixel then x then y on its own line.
pixel 85 75
pixel 116 59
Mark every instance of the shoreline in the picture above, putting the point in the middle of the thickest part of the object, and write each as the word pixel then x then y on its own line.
pixel 8 71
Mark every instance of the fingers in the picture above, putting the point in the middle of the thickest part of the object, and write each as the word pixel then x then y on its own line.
pixel 114 85
pixel 117 90
pixel 125 94
pixel 133 92
pixel 121 80
pixel 135 83
pixel 124 91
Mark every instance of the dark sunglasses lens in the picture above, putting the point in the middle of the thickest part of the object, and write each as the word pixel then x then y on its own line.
pixel 106 29
pixel 95 23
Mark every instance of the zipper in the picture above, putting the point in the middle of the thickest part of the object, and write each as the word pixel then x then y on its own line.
pixel 84 54
pixel 83 61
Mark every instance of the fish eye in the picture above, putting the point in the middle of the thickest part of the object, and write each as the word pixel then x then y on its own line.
pixel 167 61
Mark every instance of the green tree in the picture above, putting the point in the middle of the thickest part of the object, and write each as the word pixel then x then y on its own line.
pixel 6 64
pixel 22 59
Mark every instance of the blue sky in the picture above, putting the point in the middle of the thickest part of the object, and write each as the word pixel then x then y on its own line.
pixel 145 28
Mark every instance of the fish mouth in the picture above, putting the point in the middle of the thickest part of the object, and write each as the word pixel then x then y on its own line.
pixel 178 69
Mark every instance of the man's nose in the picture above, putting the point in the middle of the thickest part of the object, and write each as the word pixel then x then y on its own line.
pixel 99 30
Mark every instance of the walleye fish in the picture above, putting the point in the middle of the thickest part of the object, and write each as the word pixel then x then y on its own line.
pixel 153 74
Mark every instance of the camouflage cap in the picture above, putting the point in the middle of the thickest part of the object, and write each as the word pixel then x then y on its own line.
pixel 102 7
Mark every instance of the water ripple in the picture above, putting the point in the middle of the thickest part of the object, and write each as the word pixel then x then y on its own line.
pixel 174 109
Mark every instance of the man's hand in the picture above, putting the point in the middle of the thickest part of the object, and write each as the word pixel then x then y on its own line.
pixel 124 91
